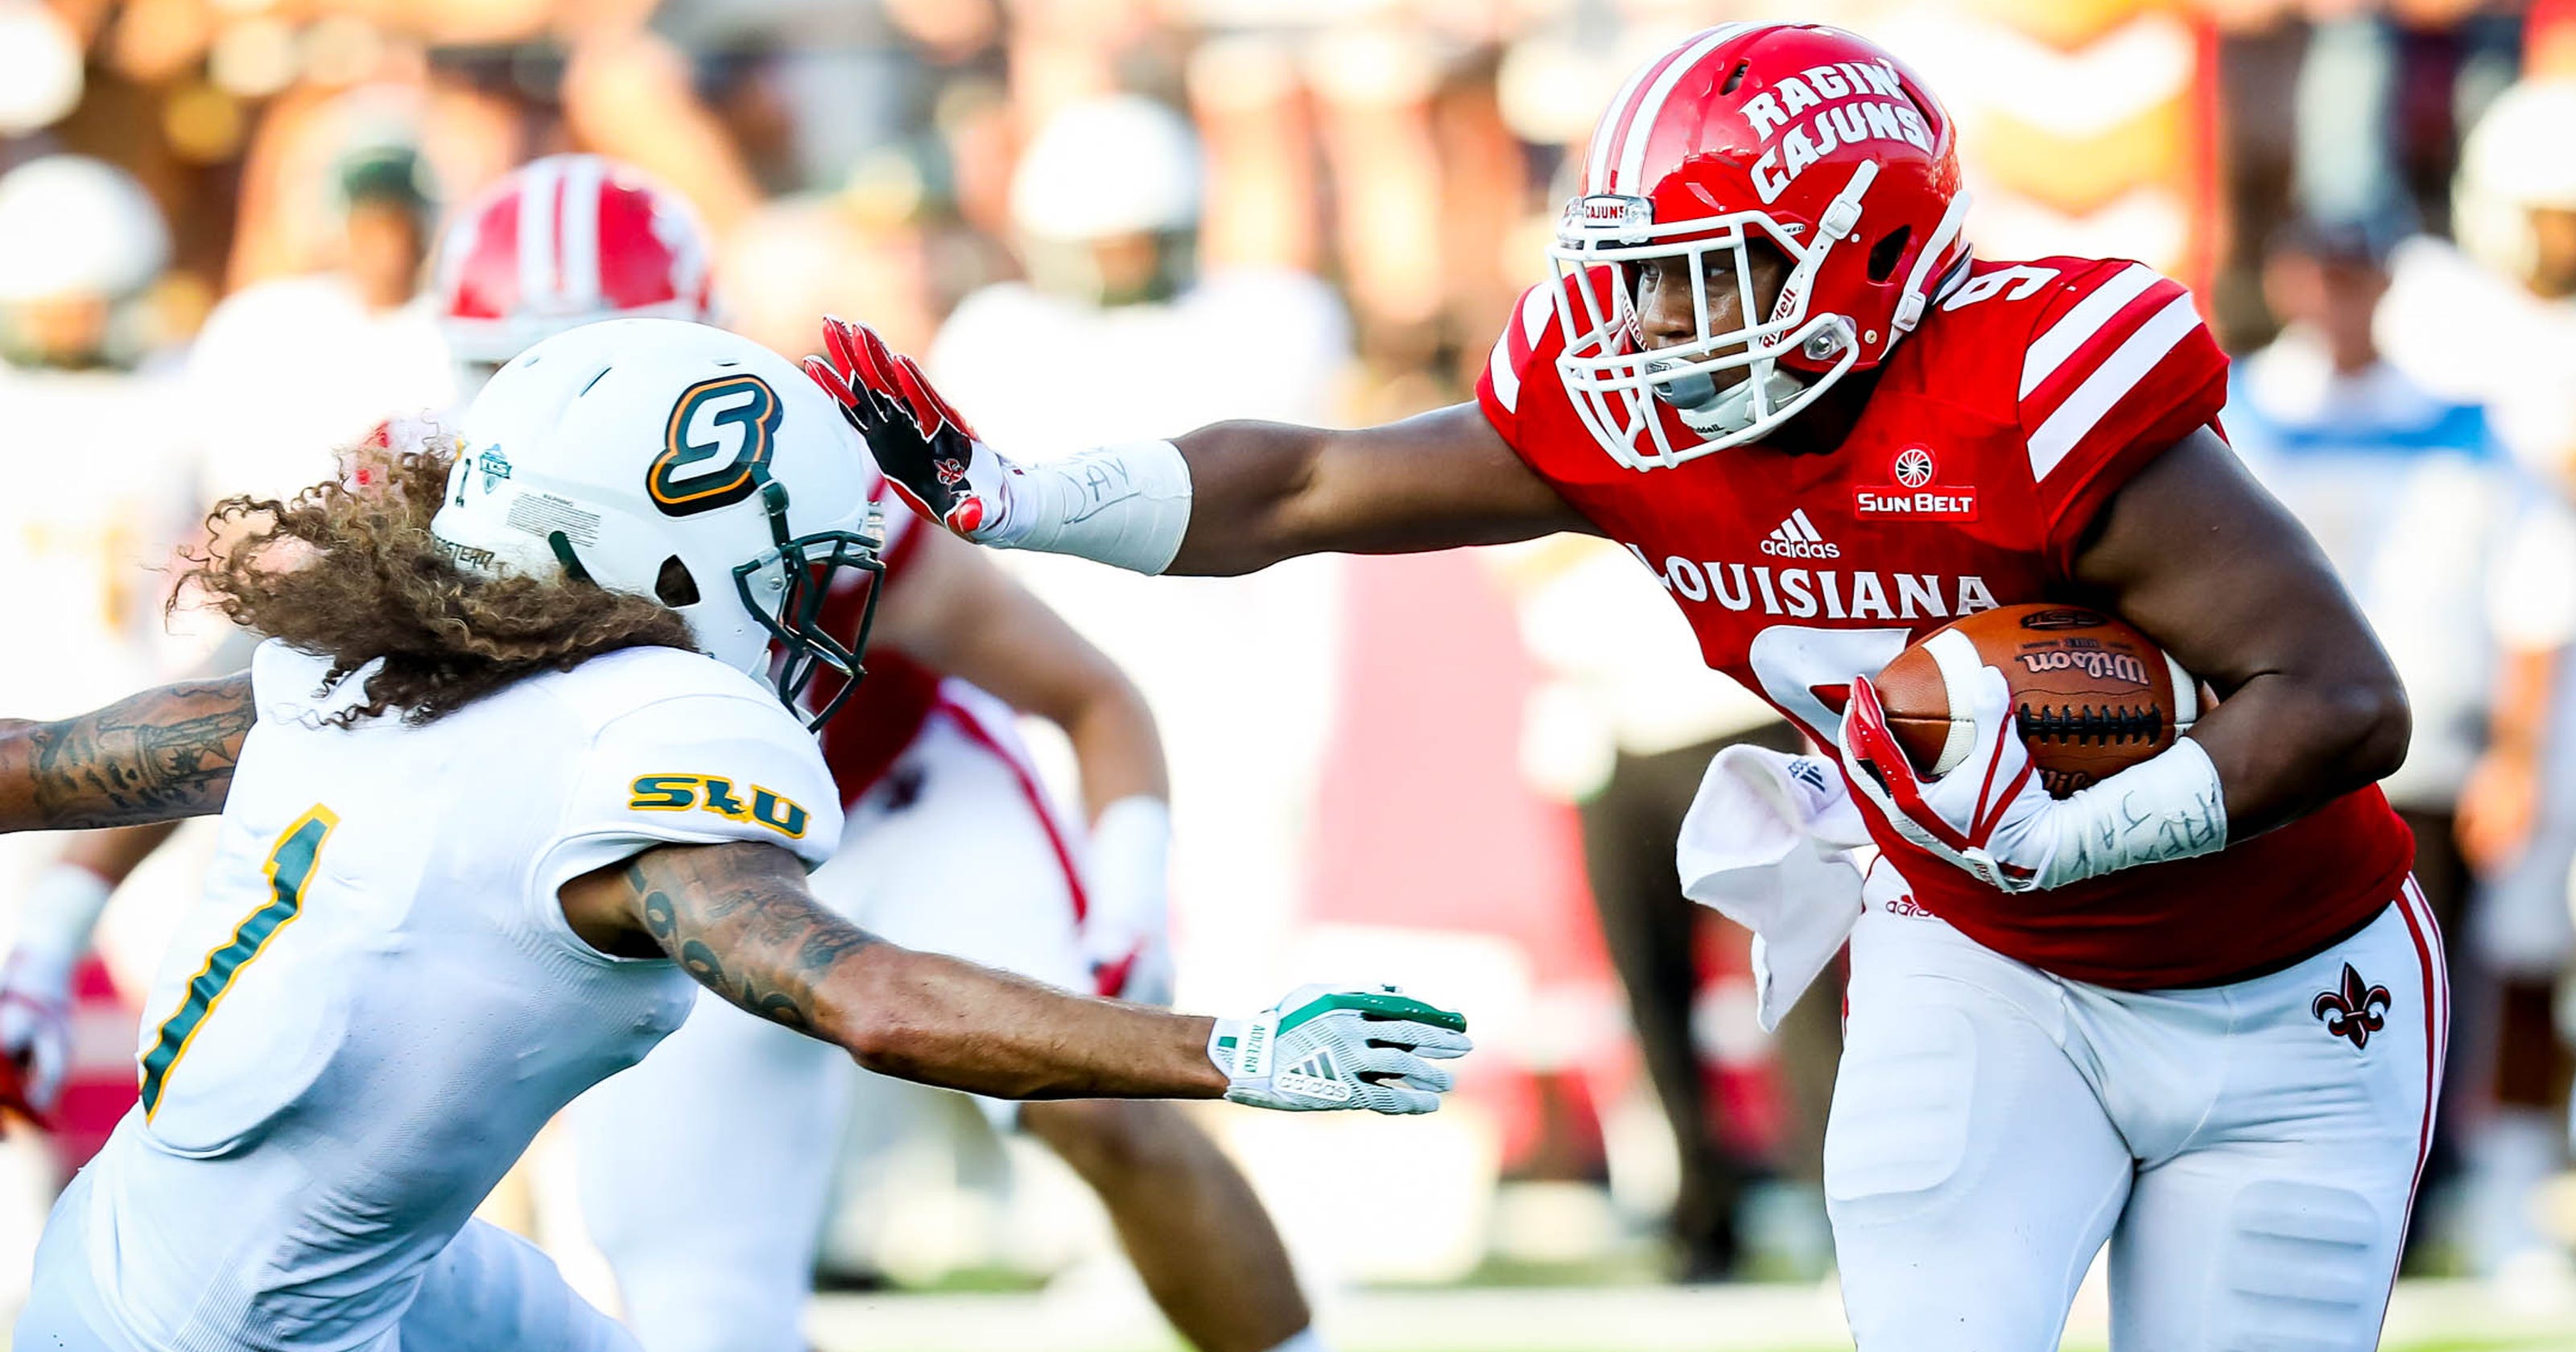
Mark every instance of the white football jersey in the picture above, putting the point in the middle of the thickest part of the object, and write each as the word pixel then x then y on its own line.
pixel 379 1000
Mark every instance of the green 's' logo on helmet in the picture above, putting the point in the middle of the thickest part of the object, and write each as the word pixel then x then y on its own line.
pixel 716 445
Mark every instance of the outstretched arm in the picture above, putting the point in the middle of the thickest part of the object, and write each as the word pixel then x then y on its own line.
pixel 154 757
pixel 1263 492
pixel 1226 499
pixel 738 917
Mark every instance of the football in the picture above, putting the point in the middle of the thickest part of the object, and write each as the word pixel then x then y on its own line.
pixel 2095 696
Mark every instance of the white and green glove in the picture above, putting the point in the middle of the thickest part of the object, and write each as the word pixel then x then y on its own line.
pixel 1325 1048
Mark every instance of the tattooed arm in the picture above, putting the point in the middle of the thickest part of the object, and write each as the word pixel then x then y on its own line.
pixel 153 757
pixel 738 917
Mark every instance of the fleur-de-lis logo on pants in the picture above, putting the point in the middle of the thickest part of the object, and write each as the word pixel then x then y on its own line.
pixel 2356 1011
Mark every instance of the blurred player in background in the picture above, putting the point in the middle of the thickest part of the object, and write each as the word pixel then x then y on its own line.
pixel 2136 1015
pixel 2494 321
pixel 524 758
pixel 1105 207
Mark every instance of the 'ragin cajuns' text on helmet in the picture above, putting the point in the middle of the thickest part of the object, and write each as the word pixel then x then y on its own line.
pixel 1808 139
pixel 562 241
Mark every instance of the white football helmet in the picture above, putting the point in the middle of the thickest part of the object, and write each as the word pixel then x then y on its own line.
pixel 2519 156
pixel 680 462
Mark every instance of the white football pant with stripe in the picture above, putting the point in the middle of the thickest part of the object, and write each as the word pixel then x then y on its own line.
pixel 2248 1151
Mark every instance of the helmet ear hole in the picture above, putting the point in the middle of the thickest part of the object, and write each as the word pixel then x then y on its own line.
pixel 1735 77
pixel 1888 252
pixel 674 587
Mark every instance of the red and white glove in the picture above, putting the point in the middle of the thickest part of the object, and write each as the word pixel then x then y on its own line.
pixel 1992 817
pixel 1126 505
pixel 928 453
pixel 1127 934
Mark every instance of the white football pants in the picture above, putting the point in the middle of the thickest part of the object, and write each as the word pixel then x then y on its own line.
pixel 706 1168
pixel 2248 1151
pixel 487 1289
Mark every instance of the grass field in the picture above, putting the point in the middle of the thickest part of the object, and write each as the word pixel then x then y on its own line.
pixel 2427 1317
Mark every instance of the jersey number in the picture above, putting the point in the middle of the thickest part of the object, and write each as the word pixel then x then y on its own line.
pixel 290 872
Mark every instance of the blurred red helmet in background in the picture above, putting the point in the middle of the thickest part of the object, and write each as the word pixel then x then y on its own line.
pixel 1809 139
pixel 564 241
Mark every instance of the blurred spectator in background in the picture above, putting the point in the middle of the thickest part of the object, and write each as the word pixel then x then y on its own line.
pixel 2445 540
pixel 288 371
pixel 2494 320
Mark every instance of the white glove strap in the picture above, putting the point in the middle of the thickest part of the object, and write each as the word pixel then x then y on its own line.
pixel 54 924
pixel 1242 1047
pixel 1126 505
pixel 2167 807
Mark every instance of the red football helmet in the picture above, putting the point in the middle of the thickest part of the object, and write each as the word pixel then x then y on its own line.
pixel 564 241
pixel 1816 139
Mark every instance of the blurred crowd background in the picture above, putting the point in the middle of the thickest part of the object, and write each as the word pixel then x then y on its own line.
pixel 1100 219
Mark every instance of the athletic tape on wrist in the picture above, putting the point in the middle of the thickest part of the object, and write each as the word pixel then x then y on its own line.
pixel 2167 807
pixel 1126 505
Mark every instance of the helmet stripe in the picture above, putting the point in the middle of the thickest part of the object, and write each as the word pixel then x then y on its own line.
pixel 1596 172
pixel 583 182
pixel 1640 129
pixel 537 231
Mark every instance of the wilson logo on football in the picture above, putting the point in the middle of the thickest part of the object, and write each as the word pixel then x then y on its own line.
pixel 2099 664
pixel 1916 471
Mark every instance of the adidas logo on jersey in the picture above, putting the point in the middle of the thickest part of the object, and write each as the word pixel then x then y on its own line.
pixel 1797 538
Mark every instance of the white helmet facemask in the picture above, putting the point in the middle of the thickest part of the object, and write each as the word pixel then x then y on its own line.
pixel 683 463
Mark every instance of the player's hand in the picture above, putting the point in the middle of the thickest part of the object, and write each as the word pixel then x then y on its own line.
pixel 929 455
pixel 35 1033
pixel 1987 816
pixel 1326 1048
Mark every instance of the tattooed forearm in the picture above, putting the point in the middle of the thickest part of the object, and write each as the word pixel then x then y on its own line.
pixel 738 918
pixel 157 756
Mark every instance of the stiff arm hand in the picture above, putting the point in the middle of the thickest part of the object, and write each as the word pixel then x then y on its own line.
pixel 738 917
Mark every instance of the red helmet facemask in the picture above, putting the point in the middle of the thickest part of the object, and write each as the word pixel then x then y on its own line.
pixel 1808 139
pixel 563 241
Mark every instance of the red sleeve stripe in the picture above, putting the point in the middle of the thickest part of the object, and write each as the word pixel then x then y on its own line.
pixel 2079 325
pixel 2117 374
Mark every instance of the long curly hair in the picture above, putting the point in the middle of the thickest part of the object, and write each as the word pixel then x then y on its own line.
pixel 348 570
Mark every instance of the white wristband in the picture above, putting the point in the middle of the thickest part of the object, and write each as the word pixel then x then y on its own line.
pixel 2167 807
pixel 1131 851
pixel 1125 505
pixel 60 910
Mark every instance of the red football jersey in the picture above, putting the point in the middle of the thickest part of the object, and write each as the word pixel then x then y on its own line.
pixel 1998 429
